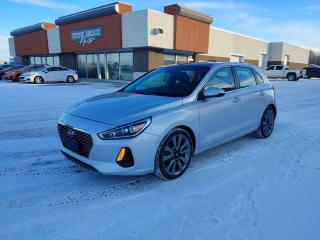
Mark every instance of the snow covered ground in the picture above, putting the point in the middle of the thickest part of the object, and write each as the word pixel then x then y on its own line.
pixel 246 189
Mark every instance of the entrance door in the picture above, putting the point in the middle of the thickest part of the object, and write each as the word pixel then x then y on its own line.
pixel 236 58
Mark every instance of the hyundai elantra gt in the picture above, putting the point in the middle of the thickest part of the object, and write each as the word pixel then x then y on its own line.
pixel 158 122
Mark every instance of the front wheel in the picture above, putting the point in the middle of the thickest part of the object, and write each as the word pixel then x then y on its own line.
pixel 292 77
pixel 70 79
pixel 266 124
pixel 174 154
pixel 38 80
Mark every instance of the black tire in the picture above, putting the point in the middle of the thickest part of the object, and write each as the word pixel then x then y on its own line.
pixel 38 80
pixel 173 158
pixel 70 79
pixel 266 124
pixel 292 77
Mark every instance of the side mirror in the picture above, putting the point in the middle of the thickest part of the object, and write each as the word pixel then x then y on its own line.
pixel 46 71
pixel 211 92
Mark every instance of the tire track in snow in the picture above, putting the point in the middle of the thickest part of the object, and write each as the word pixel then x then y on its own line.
pixel 55 199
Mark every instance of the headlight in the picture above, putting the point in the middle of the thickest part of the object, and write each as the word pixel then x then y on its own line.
pixel 126 131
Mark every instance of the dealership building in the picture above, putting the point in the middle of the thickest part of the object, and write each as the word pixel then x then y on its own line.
pixel 113 42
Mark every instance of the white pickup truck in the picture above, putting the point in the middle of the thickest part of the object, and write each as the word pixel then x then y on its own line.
pixel 282 71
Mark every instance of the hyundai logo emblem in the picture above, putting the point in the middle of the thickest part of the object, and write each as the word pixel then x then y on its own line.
pixel 71 133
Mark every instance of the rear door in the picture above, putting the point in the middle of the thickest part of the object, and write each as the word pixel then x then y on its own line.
pixel 63 73
pixel 252 95
pixel 219 115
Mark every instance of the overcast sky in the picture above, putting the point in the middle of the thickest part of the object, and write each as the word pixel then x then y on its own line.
pixel 273 20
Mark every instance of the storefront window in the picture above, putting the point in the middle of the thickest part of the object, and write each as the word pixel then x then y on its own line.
pixel 102 68
pixel 169 59
pixel 112 66
pixel 31 61
pixel 37 60
pixel 50 61
pixel 43 60
pixel 92 65
pixel 126 66
pixel 181 59
pixel 82 72
pixel 56 61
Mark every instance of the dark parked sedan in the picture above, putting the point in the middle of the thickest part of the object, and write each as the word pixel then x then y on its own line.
pixel 312 72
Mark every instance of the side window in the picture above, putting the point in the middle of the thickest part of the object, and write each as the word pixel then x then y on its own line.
pixel 259 79
pixel 279 67
pixel 50 69
pixel 245 77
pixel 223 78
pixel 270 68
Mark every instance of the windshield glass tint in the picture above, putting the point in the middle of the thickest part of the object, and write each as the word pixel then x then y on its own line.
pixel 173 81
pixel 42 69
pixel 36 67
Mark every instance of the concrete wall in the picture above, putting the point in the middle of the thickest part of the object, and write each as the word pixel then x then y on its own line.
pixel 223 44
pixel 298 57
pixel 138 29
pixel 12 49
pixel 54 40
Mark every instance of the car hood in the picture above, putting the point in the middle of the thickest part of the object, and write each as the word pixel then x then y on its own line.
pixel 121 108
pixel 31 73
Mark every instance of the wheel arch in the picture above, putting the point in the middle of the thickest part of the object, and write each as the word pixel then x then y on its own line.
pixel 273 108
pixel 292 73
pixel 191 133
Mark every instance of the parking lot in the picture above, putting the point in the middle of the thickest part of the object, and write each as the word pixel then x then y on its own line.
pixel 249 188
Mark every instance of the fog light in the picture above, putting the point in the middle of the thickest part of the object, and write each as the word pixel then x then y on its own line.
pixel 121 154
pixel 125 158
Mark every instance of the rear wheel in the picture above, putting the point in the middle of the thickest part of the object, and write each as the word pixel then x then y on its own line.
pixel 292 77
pixel 38 80
pixel 266 124
pixel 70 79
pixel 174 154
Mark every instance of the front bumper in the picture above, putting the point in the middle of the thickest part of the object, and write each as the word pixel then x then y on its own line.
pixel 103 153
pixel 26 79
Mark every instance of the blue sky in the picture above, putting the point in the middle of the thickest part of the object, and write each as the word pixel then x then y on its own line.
pixel 273 20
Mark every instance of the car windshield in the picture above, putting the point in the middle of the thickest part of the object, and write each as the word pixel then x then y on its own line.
pixel 14 67
pixel 37 67
pixel 24 68
pixel 172 81
pixel 42 69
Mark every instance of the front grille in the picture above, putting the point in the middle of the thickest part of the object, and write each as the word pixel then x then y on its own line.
pixel 79 142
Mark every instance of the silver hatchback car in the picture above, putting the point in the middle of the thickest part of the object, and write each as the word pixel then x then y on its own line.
pixel 158 122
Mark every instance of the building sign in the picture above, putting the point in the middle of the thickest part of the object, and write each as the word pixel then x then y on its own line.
pixel 87 36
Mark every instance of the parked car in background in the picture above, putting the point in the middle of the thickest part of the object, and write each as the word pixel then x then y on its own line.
pixel 50 74
pixel 312 72
pixel 156 123
pixel 9 68
pixel 15 73
pixel 283 71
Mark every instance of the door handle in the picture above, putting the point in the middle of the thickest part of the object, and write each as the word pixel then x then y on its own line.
pixel 261 93
pixel 236 100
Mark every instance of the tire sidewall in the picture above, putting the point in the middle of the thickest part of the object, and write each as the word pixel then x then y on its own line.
pixel 261 122
pixel 294 77
pixel 70 77
pixel 159 167
pixel 38 77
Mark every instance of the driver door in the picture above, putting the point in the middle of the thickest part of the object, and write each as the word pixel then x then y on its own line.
pixel 219 115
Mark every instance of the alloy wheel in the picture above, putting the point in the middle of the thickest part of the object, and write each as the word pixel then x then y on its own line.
pixel 176 154
pixel 268 122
